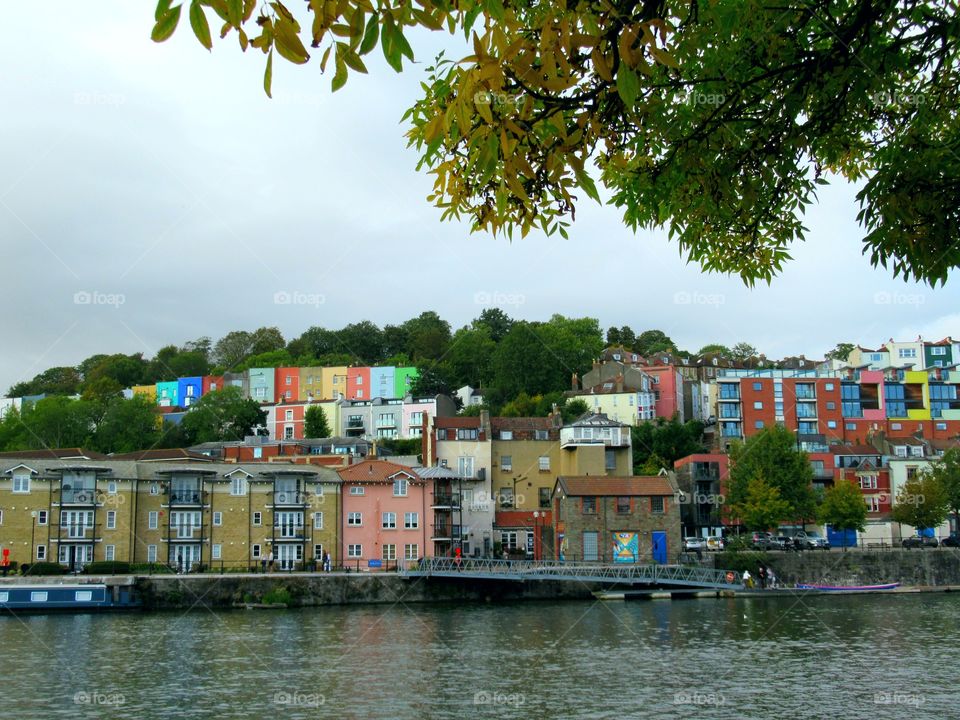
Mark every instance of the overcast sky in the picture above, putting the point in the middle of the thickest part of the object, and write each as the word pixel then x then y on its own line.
pixel 150 194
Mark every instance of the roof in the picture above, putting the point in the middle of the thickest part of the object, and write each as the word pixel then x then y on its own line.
pixel 906 440
pixel 374 471
pixel 158 454
pixel 523 423
pixel 55 454
pixel 437 472
pixel 472 422
pixel 938 444
pixel 581 485
pixel 592 419
pixel 856 450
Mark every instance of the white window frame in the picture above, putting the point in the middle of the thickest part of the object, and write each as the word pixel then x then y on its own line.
pixel 357 490
pixel 506 463
pixel 411 551
pixel 388 521
pixel 109 552
pixel 354 550
pixel 217 518
pixel 388 552
pixel 151 553
pixel 255 551
pixel 411 521
pixel 238 485
pixel 543 463
pixel 111 519
pixel 355 519
pixel 21 484
pixel 154 489
pixel 41 552
pixel 43 517
pixel 153 518
pixel 257 518
pixel 400 487
pixel 216 551
pixel 318 520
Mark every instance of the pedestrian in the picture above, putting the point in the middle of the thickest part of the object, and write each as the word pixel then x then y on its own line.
pixel 263 563
pixel 326 561
pixel 771 578
pixel 747 579
pixel 458 558
pixel 179 563
pixel 762 575
pixel 270 560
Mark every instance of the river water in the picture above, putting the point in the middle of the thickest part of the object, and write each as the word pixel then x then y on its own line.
pixel 793 657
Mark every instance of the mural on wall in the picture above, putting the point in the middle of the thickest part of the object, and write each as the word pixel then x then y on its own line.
pixel 626 547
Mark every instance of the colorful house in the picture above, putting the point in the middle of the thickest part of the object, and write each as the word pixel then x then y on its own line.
pixel 167 394
pixel 212 383
pixel 382 382
pixel 358 384
pixel 386 515
pixel 262 384
pixel 189 390
pixel 334 382
pixel 287 384
pixel 310 385
pixel 403 378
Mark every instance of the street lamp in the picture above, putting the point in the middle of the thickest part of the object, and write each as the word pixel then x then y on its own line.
pixel 537 536
pixel 33 527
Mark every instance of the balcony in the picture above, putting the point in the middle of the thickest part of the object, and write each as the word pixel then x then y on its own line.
pixel 289 497
pixel 70 495
pixel 443 501
pixel 445 532
pixel 388 423
pixel 186 497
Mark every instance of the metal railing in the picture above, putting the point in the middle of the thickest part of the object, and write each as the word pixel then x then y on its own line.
pixel 625 573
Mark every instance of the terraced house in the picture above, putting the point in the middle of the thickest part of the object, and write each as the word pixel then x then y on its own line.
pixel 76 508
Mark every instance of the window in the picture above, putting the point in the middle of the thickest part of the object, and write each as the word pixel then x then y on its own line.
pixel 506 435
pixel 38 596
pixel 467 434
pixel 851 426
pixel 151 553
pixel 216 552
pixel 111 519
pixel 318 520
pixel 318 552
pixel 757 386
pixel 288 432
pixel 544 496
pixel 541 434
pixel 873 504
pixel 354 519
pixel 832 424
pixel 906 353
pixel 509 539
pixel 868 482
pixel 152 520
pixel 257 519
pixel 506 498
pixel 109 552
pixel 656 505
pixel 217 519
pixel 610 459
pixel 356 490
pixel 411 551
pixel 1 517
pixel 154 489
pixel 941 426
pixel 42 517
pixel 896 426
pixel 416 418
pixel 83 596
pixel 354 551
pixel 400 487
pixel 828 387
pixel 21 483
pixel 411 521
pixel 359 393
pixel 900 450
pixel 589 504
pixel 112 488
pixel 831 406
pixel 623 505
pixel 359 379
pixel 544 463
pixel 41 552
pixel 257 453
pixel 288 415
pixel 506 463
pixel 255 551
pixel 389 552
pixel 260 392
pixel 758 424
pixel 938 350
pixel 389 521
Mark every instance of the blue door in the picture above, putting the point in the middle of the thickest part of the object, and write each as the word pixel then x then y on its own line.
pixel 658 547
pixel 841 538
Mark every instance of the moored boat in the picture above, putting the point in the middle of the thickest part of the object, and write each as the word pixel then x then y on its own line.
pixel 849 588
pixel 47 597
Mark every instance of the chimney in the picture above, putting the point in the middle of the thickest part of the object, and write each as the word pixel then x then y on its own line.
pixel 485 424
pixel 574 382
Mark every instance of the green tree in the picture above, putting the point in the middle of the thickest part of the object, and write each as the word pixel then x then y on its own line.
pixel 523 405
pixel 742 351
pixel 650 342
pixel 945 471
pixel 840 352
pixel 57 422
pixel 54 381
pixel 714 348
pixel 772 454
pixel 496 321
pixel 232 348
pixel 666 441
pixel 427 336
pixel 573 409
pixel 315 423
pixel 922 502
pixel 363 341
pixel 470 356
pixel 433 379
pixel 843 508
pixel 128 425
pixel 126 370
pixel 760 505
pixel 266 339
pixel 222 415
pixel 716 120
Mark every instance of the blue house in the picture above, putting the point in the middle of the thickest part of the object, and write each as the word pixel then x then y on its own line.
pixel 167 394
pixel 262 384
pixel 189 390
pixel 382 382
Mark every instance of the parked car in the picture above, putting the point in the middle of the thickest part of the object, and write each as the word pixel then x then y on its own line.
pixel 692 544
pixel 761 540
pixel 812 541
pixel 781 542
pixel 919 542
pixel 950 541
pixel 716 543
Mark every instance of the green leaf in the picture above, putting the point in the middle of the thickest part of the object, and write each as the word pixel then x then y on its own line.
pixel 166 24
pixel 201 28
pixel 235 12
pixel 371 35
pixel 340 76
pixel 268 74
pixel 353 60
pixel 388 43
pixel 163 7
pixel 628 86
pixel 586 183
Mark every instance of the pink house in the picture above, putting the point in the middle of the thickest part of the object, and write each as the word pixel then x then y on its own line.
pixel 667 388
pixel 386 513
pixel 289 421
pixel 358 383
pixel 287 384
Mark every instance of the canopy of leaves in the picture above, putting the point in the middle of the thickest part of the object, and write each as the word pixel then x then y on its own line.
pixel 222 415
pixel 843 507
pixel 760 505
pixel 660 443
pixel 715 120
pixel 946 472
pixel 772 455
pixel 315 423
pixel 840 352
pixel 922 502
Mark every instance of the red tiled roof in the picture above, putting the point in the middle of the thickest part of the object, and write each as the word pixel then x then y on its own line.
pixel 856 450
pixel 522 423
pixel 457 422
pixel 374 471
pixel 619 486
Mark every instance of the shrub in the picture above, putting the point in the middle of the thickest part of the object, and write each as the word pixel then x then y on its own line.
pixel 277 596
pixel 43 568
pixel 107 567
pixel 151 569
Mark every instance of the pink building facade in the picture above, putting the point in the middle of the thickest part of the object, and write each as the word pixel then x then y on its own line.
pixel 387 516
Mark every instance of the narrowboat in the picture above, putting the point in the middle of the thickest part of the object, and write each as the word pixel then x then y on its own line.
pixel 50 597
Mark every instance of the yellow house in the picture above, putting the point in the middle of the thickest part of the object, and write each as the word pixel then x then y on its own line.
pixel 334 382
pixel 311 384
